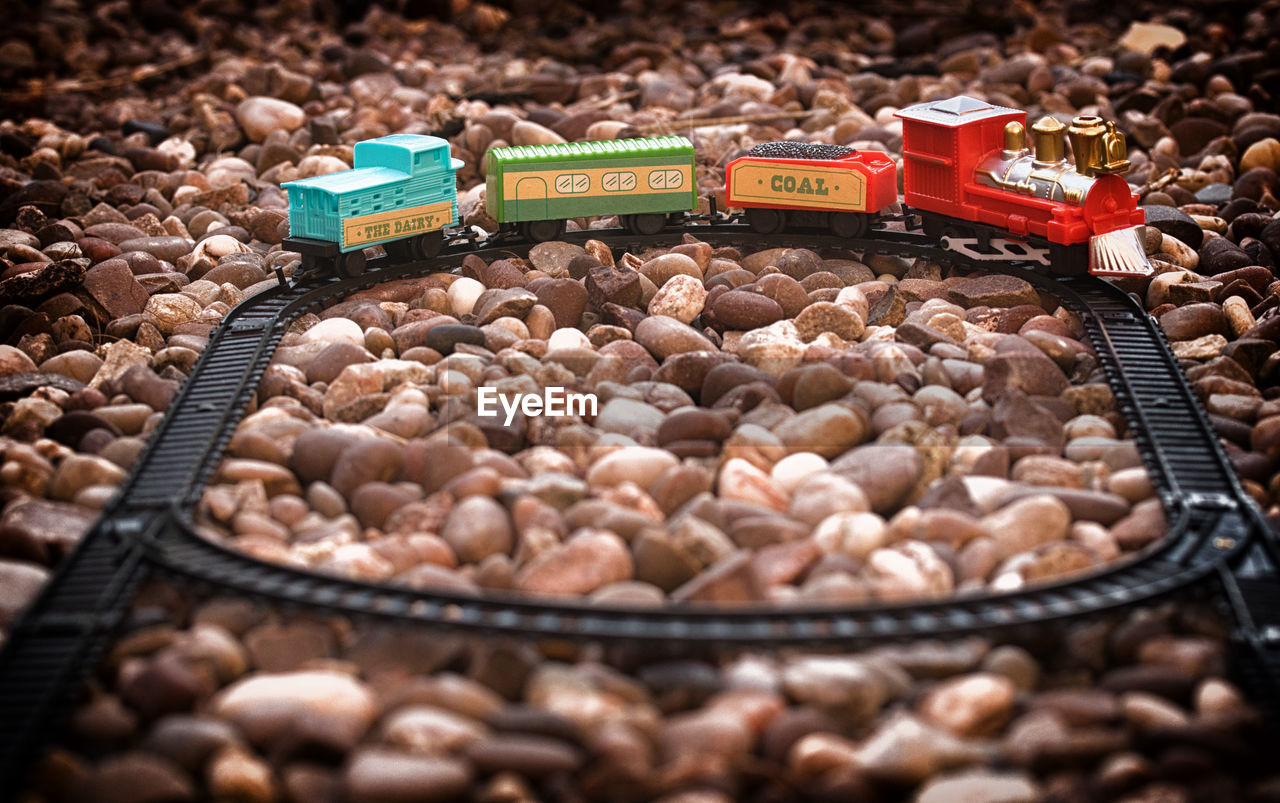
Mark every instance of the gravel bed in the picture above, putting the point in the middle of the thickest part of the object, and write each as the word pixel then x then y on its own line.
pixel 233 703
pixel 777 427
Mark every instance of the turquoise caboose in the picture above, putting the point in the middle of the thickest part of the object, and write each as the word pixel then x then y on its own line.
pixel 400 194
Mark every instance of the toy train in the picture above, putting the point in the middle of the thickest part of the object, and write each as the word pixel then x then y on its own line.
pixel 969 180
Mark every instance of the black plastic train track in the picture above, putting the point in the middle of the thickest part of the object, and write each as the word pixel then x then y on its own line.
pixel 1217 541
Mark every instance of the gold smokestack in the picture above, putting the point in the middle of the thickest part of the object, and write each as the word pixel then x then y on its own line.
pixel 1048 137
pixel 1086 133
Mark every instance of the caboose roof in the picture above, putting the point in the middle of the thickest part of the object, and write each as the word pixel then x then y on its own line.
pixel 361 178
pixel 410 142
pixel 956 111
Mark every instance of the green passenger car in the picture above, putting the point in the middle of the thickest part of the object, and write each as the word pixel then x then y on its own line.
pixel 641 180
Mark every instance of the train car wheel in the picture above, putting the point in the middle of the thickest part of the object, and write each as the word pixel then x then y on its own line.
pixel 351 264
pixel 646 224
pixel 428 245
pixel 849 224
pixel 401 252
pixel 540 231
pixel 766 221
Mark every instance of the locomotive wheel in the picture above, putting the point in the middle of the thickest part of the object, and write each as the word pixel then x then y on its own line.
pixel 540 231
pixel 766 221
pixel 427 246
pixel 645 224
pixel 351 264
pixel 932 225
pixel 849 224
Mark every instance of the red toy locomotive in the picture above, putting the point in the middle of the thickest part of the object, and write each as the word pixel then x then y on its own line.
pixel 968 172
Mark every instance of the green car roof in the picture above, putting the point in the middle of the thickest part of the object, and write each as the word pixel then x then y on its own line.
pixel 607 149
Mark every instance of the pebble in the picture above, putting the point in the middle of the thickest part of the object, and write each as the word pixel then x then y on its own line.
pixel 378 775
pixel 681 297
pixel 1145 524
pixel 334 330
pixel 995 290
pixel 586 562
pixel 529 755
pixel 610 284
pixel 910 570
pixel 79 471
pixel 828 430
pixel 663 337
pixel 22 581
pixel 478 527
pixel 135 777
pixel 886 473
pixel 662 269
pixel 566 299
pixel 14 361
pixel 738 309
pixel 1027 523
pixel 167 248
pixel 320 707
pixel 238 775
pixel 430 730
pixel 259 116
pixel 1263 153
pixel 638 464
pixel 630 417
pixel 845 687
pixel 463 293
pixel 970 705
pixel 773 349
pixel 171 310
pixel 978 786
pixel 113 285
pixel 839 319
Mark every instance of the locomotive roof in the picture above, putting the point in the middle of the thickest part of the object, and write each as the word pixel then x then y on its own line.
pixel 957 111
pixel 606 149
pixel 360 178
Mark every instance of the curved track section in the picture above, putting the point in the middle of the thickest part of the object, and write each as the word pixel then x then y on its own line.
pixel 1216 533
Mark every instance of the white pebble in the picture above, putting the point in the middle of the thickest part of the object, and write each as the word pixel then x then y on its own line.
pixel 219 245
pixel 463 294
pixel 334 330
pixel 568 338
pixel 259 116
pixel 794 469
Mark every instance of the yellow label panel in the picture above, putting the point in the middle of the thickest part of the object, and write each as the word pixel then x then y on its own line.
pixel 590 182
pixel 784 185
pixel 396 223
